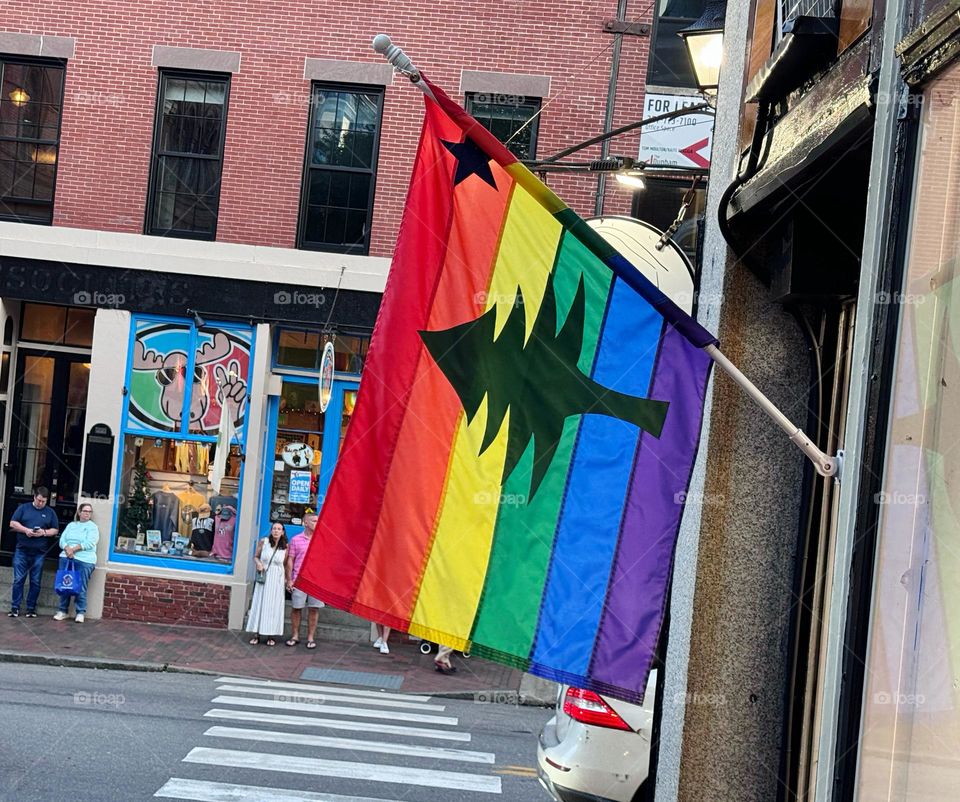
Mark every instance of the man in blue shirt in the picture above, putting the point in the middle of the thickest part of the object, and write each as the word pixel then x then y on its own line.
pixel 34 522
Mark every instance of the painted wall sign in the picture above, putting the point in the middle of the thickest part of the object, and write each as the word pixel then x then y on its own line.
pixel 326 376
pixel 683 141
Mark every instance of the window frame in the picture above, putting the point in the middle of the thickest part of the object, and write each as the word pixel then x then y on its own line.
pixel 163 74
pixel 130 429
pixel 473 97
pixel 361 249
pixel 51 204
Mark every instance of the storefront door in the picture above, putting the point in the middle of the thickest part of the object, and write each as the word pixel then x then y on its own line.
pixel 306 443
pixel 46 434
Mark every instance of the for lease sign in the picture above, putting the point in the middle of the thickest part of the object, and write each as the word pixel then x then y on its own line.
pixel 682 141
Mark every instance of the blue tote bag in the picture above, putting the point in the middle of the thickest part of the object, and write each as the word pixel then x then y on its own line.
pixel 68 580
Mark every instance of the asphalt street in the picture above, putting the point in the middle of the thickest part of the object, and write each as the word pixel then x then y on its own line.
pixel 83 734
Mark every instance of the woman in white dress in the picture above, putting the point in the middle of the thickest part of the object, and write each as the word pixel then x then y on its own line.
pixel 267 609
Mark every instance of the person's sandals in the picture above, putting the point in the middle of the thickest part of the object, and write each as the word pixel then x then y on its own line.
pixel 292 642
pixel 444 669
pixel 254 641
pixel 271 642
pixel 311 644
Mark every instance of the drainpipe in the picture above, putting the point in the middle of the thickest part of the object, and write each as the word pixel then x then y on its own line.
pixel 611 102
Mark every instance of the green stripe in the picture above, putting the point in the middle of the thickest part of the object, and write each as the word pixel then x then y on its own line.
pixel 509 608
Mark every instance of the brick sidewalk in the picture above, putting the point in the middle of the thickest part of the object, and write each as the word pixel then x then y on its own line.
pixel 226 652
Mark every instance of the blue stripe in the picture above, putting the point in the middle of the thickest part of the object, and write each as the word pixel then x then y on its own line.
pixel 589 523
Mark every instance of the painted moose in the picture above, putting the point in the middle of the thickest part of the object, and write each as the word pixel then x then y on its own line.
pixel 171 373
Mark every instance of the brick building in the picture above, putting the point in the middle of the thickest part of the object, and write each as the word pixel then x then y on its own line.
pixel 213 191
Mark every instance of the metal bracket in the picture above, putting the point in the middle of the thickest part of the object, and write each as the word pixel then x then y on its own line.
pixel 624 27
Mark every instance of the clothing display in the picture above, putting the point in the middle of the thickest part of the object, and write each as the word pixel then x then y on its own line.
pixel 224 526
pixel 201 533
pixel 190 501
pixel 166 514
pixel 219 502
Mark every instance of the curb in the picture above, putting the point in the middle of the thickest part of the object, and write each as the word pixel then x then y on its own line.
pixel 504 697
pixel 110 664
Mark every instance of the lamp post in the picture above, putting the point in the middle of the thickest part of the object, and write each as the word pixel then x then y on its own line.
pixel 704 43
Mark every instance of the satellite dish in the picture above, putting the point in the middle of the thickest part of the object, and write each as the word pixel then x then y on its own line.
pixel 669 269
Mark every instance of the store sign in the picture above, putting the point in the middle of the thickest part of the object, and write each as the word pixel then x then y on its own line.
pixel 299 490
pixel 683 141
pixel 326 376
pixel 297 455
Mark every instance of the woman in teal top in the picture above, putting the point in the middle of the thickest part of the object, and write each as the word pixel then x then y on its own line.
pixel 79 543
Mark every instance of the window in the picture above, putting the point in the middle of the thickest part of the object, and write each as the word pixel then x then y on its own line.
pixel 340 168
pixel 187 155
pixel 791 9
pixel 31 98
pixel 57 325
pixel 178 504
pixel 505 116
pixel 669 64
pixel 301 350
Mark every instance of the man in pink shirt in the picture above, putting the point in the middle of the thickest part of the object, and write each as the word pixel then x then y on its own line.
pixel 296 551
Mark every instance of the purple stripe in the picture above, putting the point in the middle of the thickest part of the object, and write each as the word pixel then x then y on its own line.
pixel 636 595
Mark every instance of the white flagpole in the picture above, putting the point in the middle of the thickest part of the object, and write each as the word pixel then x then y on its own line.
pixel 824 464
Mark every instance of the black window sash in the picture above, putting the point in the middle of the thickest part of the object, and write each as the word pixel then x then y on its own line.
pixel 310 169
pixel 154 194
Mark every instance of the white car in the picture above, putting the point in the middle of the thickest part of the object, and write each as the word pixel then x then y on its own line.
pixel 595 748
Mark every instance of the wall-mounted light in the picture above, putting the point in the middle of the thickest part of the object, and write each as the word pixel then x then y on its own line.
pixel 631 180
pixel 704 43
pixel 19 96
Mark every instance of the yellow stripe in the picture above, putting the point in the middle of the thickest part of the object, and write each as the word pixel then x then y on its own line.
pixel 454 575
pixel 525 259
pixel 535 187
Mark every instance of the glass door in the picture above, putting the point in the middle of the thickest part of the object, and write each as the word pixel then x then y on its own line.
pixel 46 433
pixel 305 444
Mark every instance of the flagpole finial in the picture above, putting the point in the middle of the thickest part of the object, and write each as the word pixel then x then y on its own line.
pixel 401 61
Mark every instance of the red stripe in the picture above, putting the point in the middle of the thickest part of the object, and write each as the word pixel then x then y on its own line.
pixel 417 476
pixel 336 557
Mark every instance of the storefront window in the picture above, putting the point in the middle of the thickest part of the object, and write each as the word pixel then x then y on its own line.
pixel 302 350
pixel 178 502
pixel 171 506
pixel 298 452
pixel 911 716
pixel 57 325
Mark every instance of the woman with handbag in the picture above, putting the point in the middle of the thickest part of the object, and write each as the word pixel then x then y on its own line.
pixel 78 559
pixel 268 606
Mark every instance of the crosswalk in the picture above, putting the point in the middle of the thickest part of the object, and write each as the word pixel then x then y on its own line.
pixel 289 740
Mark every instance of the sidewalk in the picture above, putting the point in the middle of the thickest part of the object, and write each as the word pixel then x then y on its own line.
pixel 159 647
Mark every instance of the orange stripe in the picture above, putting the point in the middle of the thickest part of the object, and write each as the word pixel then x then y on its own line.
pixel 417 474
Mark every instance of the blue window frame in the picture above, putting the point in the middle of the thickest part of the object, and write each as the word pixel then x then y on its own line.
pixel 180 381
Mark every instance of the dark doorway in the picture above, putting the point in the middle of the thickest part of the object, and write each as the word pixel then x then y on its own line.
pixel 46 433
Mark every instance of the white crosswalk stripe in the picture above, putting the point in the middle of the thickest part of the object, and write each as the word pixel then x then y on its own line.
pixel 304 730
pixel 374 772
pixel 291 695
pixel 354 744
pixel 204 791
pixel 302 686
pixel 338 724
pixel 334 710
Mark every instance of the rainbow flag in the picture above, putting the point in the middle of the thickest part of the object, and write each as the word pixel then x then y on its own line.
pixel 514 473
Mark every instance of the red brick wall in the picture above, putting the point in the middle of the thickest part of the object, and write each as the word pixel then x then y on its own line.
pixel 166 601
pixel 111 93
